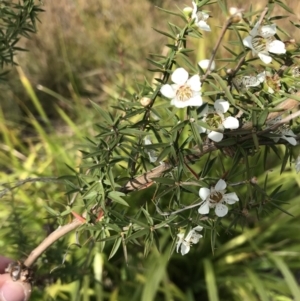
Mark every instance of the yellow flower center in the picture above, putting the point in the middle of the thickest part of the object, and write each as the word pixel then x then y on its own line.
pixel 213 120
pixel 184 93
pixel 273 82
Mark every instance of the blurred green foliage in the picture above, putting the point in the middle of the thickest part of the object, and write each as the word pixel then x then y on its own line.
pixel 94 50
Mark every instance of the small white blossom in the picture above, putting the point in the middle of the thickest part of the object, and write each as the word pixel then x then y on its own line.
pixel 200 18
pixel 204 64
pixel 192 237
pixel 261 40
pixel 215 197
pixel 297 164
pixel 215 119
pixel 185 91
pixel 283 132
pixel 253 81
pixel 151 152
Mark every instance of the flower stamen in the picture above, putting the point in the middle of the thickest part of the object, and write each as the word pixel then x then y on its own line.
pixel 216 197
pixel 184 93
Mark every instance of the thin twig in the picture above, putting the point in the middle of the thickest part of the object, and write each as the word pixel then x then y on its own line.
pixel 214 52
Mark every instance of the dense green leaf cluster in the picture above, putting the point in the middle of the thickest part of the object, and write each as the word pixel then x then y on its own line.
pixel 17 19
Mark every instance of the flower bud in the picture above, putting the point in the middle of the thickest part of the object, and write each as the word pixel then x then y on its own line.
pixel 204 64
pixel 145 101
pixel 235 14
pixel 187 11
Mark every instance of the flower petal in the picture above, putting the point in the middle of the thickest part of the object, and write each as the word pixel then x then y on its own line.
pixel 204 208
pixel 203 25
pixel 204 193
pixel 290 140
pixel 198 228
pixel 261 76
pixel 178 103
pixel 289 132
pixel 277 47
pixel 230 123
pixel 215 136
pixel 265 58
pixel 152 156
pixel 150 152
pixel 179 76
pixel 167 91
pixel 185 248
pixel 276 139
pixel 221 210
pixel 221 106
pixel 230 198
pixel 268 30
pixel 180 240
pixel 147 140
pixel 195 83
pixel 248 42
pixel 194 101
pixel 201 129
pixel 194 13
pixel 195 238
pixel 255 30
pixel 205 16
pixel 221 185
pixel 250 81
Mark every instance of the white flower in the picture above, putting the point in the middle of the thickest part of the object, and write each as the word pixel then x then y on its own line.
pixel 253 81
pixel 204 64
pixel 262 41
pixel 185 91
pixel 151 152
pixel 215 198
pixel 192 237
pixel 215 119
pixel 283 132
pixel 297 164
pixel 200 18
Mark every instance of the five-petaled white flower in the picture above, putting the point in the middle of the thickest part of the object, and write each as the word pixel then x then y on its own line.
pixel 200 18
pixel 185 91
pixel 151 152
pixel 215 119
pixel 215 197
pixel 262 41
pixel 283 132
pixel 192 237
